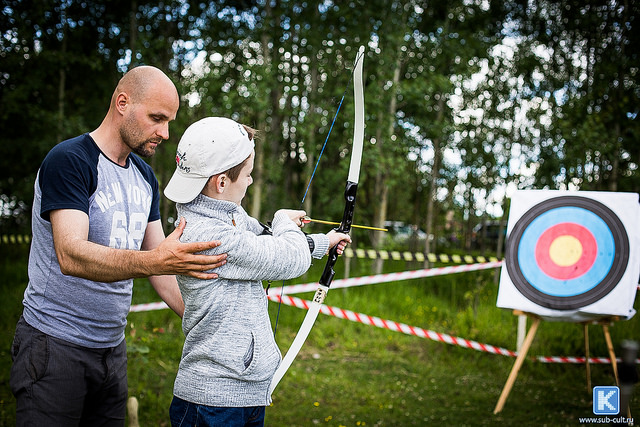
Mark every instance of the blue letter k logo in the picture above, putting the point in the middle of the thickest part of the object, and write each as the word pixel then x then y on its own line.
pixel 606 400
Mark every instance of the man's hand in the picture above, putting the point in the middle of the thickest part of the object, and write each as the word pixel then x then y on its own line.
pixel 176 257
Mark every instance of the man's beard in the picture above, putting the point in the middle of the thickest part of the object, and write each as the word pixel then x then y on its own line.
pixel 131 137
pixel 144 148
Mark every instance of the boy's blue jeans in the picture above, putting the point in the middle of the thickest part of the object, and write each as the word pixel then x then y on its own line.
pixel 187 414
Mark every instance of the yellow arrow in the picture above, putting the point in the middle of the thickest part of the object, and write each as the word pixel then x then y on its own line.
pixel 306 220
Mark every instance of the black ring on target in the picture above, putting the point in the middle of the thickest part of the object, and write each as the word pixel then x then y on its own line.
pixel 605 274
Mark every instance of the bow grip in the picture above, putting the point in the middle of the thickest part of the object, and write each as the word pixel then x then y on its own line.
pixel 329 272
pixel 345 227
pixel 350 204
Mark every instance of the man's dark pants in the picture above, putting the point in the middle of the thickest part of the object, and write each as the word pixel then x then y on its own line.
pixel 57 383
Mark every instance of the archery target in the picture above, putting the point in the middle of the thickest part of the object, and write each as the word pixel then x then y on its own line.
pixel 571 255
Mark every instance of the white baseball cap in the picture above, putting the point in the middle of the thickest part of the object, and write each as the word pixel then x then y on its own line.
pixel 208 147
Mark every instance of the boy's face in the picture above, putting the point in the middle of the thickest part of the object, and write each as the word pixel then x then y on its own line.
pixel 235 191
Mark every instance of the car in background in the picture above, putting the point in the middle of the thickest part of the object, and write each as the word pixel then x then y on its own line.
pixel 486 235
pixel 404 234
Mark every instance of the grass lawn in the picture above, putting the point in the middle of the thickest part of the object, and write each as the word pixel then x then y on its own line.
pixel 350 374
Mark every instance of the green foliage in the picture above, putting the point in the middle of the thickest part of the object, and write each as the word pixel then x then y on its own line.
pixel 588 91
pixel 454 106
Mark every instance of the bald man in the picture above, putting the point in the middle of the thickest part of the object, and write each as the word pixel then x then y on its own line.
pixel 96 226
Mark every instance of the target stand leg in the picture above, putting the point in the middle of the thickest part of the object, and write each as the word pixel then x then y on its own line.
pixel 612 354
pixel 586 351
pixel 522 354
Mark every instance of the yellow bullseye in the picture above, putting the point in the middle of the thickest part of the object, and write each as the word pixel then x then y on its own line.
pixel 565 250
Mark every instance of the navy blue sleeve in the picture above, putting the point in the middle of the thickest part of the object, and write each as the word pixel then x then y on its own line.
pixel 150 177
pixel 68 176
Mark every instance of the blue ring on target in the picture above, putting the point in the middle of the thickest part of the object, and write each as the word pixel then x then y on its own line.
pixel 564 288
pixel 591 285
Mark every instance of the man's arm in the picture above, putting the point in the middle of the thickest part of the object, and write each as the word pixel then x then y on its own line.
pixel 79 257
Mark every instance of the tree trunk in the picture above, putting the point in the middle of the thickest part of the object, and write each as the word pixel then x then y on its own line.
pixel 435 175
pixel 501 236
pixel 133 31
pixel 381 189
pixel 258 166
pixel 311 135
pixel 470 216
pixel 61 93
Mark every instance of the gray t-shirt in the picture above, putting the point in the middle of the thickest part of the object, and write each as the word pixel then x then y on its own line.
pixel 120 202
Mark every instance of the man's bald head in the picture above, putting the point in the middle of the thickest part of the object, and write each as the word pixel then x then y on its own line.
pixel 138 81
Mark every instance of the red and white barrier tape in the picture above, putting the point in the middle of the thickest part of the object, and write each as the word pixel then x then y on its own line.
pixel 393 326
pixel 425 333
pixel 566 359
pixel 148 307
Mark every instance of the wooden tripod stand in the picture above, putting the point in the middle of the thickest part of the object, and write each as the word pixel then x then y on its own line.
pixel 522 354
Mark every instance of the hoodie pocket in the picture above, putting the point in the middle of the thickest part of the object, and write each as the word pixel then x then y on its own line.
pixel 248 356
pixel 261 359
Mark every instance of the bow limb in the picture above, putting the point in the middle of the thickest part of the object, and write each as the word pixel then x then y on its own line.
pixel 344 227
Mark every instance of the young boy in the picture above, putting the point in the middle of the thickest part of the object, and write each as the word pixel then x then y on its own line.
pixel 230 354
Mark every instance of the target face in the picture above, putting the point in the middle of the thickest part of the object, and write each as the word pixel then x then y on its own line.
pixel 567 252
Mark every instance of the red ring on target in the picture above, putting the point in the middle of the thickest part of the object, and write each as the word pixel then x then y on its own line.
pixel 566 250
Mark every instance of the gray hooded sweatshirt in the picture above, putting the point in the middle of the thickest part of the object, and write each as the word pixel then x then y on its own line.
pixel 230 354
